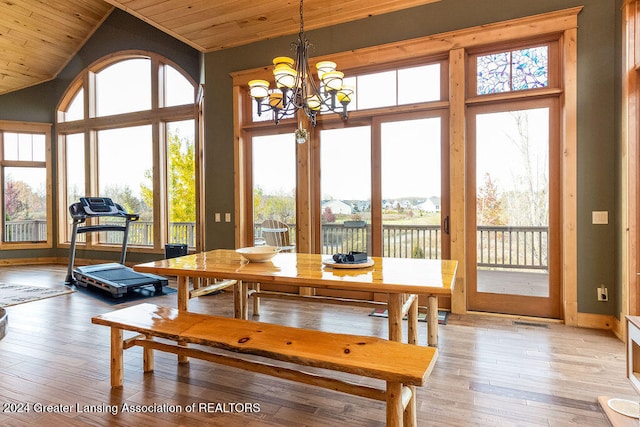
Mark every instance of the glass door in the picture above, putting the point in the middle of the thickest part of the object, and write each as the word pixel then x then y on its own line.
pixel 414 195
pixel 513 196
pixel 345 190
pixel 274 182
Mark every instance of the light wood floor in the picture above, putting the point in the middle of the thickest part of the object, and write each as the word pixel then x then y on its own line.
pixel 491 371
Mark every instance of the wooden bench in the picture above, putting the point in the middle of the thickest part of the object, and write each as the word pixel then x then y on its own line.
pixel 402 366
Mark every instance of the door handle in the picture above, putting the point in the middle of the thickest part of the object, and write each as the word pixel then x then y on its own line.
pixel 445 224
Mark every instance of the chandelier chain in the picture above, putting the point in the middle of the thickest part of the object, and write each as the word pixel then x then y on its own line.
pixel 301 19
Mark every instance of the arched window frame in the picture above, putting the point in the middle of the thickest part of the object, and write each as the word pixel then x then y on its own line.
pixel 90 124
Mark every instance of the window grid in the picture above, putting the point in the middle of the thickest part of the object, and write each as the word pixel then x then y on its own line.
pixel 514 70
pixel 24 177
pixel 143 193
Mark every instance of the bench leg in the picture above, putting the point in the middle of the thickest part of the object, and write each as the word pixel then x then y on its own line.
pixel 395 411
pixel 147 357
pixel 432 321
pixel 117 350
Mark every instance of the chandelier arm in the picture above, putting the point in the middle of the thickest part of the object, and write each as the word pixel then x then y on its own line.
pixel 304 94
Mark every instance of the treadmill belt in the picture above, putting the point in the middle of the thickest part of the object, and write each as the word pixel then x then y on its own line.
pixel 117 274
pixel 124 276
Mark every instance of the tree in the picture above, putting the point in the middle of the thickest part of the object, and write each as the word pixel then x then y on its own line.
pixel 328 215
pixel 530 204
pixel 180 178
pixel 489 206
pixel 124 196
pixel 22 202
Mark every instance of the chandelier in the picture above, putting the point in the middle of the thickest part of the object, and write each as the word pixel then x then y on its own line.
pixel 296 88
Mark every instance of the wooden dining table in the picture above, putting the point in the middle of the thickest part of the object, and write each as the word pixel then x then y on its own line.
pixel 401 279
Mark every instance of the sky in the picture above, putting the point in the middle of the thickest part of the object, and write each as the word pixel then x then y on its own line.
pixel 346 161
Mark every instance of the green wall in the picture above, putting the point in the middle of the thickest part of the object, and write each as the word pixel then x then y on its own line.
pixel 598 108
pixel 598 113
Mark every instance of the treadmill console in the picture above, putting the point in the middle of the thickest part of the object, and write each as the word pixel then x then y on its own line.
pixel 99 206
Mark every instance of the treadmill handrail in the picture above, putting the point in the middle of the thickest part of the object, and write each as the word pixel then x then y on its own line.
pixel 103 227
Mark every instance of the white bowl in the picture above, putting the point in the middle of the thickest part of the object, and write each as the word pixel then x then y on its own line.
pixel 258 253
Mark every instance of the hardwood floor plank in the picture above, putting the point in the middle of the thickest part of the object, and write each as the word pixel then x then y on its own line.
pixel 491 371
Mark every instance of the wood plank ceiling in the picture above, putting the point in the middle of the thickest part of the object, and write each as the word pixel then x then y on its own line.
pixel 39 37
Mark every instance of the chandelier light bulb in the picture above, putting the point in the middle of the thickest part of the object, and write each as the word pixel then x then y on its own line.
pixel 259 89
pixel 333 80
pixel 325 67
pixel 275 100
pixel 344 94
pixel 314 102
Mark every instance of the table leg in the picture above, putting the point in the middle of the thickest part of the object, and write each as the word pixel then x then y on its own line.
pixel 245 300
pixel 117 349
pixel 183 304
pixel 238 300
pixel 147 356
pixel 432 321
pixel 394 308
pixel 256 300
pixel 183 293
pixel 410 415
pixel 412 317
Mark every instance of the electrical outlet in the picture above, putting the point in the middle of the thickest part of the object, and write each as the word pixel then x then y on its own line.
pixel 603 294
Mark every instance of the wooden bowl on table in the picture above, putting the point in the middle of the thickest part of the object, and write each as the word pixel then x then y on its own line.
pixel 258 253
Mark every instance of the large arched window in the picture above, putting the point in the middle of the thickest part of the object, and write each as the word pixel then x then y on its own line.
pixel 127 130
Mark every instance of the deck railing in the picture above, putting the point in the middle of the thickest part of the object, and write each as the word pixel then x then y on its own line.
pixel 25 231
pixel 141 233
pixel 497 246
pixel 513 247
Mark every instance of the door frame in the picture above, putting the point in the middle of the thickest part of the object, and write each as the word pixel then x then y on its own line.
pixel 550 307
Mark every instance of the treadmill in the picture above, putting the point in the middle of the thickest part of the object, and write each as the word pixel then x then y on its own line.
pixel 113 277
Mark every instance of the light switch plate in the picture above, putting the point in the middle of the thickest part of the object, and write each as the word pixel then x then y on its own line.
pixel 600 217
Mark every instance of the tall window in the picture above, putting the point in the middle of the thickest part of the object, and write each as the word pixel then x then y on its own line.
pixel 351 212
pixel 274 182
pixel 120 140
pixel 25 177
pixel 345 189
